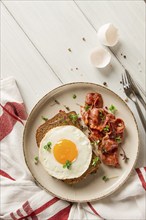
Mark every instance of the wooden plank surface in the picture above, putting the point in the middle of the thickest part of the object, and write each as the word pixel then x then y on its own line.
pixel 56 26
pixel 20 59
pixel 129 18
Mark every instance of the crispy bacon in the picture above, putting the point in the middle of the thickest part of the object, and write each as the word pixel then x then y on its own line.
pixel 119 125
pixel 95 135
pixel 103 126
pixel 108 144
pixel 97 118
pixel 110 159
pixel 84 115
pixel 94 99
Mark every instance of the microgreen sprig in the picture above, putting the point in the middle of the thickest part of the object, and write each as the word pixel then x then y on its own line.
pixel 101 115
pixel 74 96
pixel 95 161
pixel 118 139
pixel 113 109
pixel 95 143
pixel 86 107
pixel 36 159
pixel 106 128
pixel 48 146
pixel 73 117
pixel 44 118
pixel 105 178
pixel 67 164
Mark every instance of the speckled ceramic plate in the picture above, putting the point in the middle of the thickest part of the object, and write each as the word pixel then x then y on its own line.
pixel 93 188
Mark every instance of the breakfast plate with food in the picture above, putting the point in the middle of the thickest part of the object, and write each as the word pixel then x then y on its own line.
pixel 81 142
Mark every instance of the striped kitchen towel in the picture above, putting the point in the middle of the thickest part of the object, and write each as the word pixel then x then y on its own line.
pixel 21 198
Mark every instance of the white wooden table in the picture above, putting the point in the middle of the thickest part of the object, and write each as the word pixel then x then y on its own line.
pixel 36 36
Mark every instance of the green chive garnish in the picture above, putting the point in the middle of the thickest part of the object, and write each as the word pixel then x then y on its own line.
pixel 73 117
pixel 86 107
pixel 36 159
pixel 105 178
pixel 74 96
pixel 48 146
pixel 44 118
pixel 118 139
pixel 106 128
pixel 95 142
pixel 95 160
pixel 113 109
pixel 67 164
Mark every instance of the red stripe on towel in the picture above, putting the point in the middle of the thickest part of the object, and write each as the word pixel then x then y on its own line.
pixel 12 216
pixel 46 205
pixel 19 213
pixel 32 213
pixel 27 208
pixel 141 177
pixel 92 208
pixel 11 114
pixel 3 173
pixel 62 215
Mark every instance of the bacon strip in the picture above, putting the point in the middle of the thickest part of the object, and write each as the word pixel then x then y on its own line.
pixel 103 126
pixel 94 99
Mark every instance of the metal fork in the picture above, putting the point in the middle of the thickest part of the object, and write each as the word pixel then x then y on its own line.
pixel 135 89
pixel 131 94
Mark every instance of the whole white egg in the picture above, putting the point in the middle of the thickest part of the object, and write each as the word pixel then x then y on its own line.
pixel 68 154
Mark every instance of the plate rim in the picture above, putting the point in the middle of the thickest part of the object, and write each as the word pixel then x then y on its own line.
pixel 23 143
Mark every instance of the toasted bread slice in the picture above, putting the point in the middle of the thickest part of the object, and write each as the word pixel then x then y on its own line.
pixel 60 119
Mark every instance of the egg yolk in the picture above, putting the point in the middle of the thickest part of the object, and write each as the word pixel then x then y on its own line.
pixel 65 150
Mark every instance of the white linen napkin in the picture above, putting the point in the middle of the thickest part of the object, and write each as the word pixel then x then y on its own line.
pixel 21 198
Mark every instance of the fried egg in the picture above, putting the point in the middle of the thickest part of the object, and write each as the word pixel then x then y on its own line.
pixel 67 145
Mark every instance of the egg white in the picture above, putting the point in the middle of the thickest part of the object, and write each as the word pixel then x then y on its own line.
pixel 79 165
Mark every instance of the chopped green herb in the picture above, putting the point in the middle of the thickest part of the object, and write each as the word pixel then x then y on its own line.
pixel 105 178
pixel 67 108
pixel 36 159
pixel 118 139
pixel 65 122
pixel 69 49
pixel 74 96
pixel 106 128
pixel 95 160
pixel 48 146
pixel 86 107
pixel 67 164
pixel 105 83
pixel 73 117
pixel 57 102
pixel 113 109
pixel 44 118
pixel 101 115
pixel 95 142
